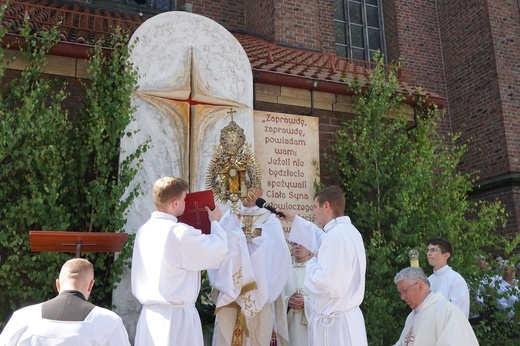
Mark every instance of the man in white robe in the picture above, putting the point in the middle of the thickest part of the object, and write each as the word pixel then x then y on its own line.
pixel 250 282
pixel 434 320
pixel 444 279
pixel 335 277
pixel 297 298
pixel 68 319
pixel 167 260
pixel 506 285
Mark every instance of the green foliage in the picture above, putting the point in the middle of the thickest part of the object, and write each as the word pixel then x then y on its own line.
pixel 60 167
pixel 402 187
pixel 497 324
pixel 205 305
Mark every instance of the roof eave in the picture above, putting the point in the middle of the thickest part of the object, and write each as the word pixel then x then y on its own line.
pixel 64 49
pixel 332 87
pixel 83 51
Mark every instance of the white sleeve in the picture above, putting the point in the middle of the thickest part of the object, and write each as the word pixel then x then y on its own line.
pixel 322 271
pixel 119 336
pixel 306 233
pixel 202 251
pixel 459 295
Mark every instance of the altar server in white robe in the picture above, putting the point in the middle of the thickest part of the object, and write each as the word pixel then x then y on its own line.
pixel 297 298
pixel 444 279
pixel 68 319
pixel 249 284
pixel 434 320
pixel 167 260
pixel 335 277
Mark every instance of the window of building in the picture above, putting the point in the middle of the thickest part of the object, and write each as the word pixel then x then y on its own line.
pixel 358 28
pixel 156 5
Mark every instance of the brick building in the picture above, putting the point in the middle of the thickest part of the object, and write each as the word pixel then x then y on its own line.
pixel 462 52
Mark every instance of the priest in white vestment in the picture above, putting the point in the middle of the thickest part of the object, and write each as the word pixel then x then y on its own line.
pixel 68 319
pixel 167 260
pixel 249 284
pixel 335 277
pixel 297 298
pixel 434 320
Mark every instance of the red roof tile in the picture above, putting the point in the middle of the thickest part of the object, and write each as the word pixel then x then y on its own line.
pixel 85 25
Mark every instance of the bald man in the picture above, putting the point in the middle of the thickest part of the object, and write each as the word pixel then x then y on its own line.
pixel 68 319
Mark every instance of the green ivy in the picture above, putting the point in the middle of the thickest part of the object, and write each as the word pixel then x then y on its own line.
pixel 402 187
pixel 59 166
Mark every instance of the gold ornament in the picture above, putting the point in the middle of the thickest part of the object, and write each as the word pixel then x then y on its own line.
pixel 233 172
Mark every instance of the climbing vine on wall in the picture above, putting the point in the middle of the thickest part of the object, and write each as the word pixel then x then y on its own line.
pixel 59 164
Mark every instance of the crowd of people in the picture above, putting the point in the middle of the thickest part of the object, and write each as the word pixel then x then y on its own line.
pixel 261 296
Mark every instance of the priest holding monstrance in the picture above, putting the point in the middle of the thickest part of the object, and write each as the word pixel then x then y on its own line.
pixel 249 282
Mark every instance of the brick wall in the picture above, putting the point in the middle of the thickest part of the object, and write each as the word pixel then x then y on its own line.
pixel 259 17
pixel 299 23
pixel 472 84
pixel 481 63
pixel 412 35
pixel 228 13
pixel 307 24
pixel 505 32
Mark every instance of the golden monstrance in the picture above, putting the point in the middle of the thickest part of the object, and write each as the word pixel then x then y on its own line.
pixel 233 172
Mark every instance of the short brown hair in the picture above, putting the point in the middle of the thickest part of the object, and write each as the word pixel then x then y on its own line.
pixel 336 198
pixel 443 244
pixel 167 189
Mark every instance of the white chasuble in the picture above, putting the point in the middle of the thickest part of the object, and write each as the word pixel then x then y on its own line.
pixel 437 322
pixel 298 320
pixel 263 266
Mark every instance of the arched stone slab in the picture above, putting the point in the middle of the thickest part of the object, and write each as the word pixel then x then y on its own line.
pixel 191 72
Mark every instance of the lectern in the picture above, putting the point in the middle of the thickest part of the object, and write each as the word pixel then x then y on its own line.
pixel 61 241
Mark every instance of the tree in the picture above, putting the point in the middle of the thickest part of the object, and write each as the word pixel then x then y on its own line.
pixel 402 187
pixel 60 166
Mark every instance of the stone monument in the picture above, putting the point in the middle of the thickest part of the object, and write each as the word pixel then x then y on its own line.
pixel 191 72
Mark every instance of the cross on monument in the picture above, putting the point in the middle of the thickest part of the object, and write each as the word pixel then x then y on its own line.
pixel 193 92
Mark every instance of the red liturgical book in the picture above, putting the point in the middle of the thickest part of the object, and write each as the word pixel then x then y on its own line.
pixel 195 214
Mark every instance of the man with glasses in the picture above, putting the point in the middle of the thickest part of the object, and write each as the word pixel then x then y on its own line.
pixel 434 320
pixel 444 279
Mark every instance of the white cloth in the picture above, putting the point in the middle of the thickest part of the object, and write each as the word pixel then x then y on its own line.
pixel 335 280
pixel 298 319
pixel 167 259
pixel 265 262
pixel 27 328
pixel 453 286
pixel 437 322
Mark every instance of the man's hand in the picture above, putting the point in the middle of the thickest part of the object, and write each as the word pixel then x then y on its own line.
pixel 296 300
pixel 215 214
pixel 288 216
